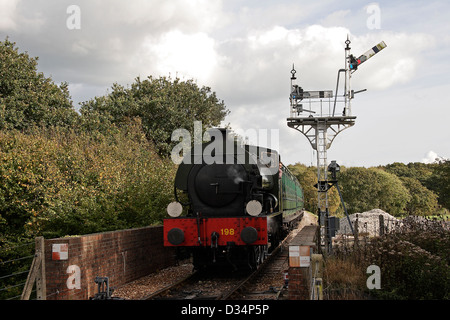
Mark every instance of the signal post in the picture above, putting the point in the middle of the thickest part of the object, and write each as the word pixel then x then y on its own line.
pixel 317 115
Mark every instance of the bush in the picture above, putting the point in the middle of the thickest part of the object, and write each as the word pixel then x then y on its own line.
pixel 414 260
pixel 162 104
pixel 59 182
pixel 409 272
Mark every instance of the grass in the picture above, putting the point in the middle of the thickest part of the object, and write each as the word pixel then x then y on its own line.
pixel 344 280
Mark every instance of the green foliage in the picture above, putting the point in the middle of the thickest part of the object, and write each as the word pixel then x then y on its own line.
pixel 163 106
pixel 415 170
pixel 435 177
pixel 400 189
pixel 365 189
pixel 15 261
pixel 64 173
pixel 59 182
pixel 27 98
pixel 423 202
pixel 307 176
pixel 105 169
pixel 439 182
pixel 413 259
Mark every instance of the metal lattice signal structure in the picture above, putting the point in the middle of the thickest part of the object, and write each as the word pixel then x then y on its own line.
pixel 313 113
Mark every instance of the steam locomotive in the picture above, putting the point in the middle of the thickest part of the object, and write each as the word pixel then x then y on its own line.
pixel 239 202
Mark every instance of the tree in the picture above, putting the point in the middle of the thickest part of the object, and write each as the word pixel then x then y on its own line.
pixel 365 189
pixel 307 179
pixel 423 201
pixel 439 182
pixel 57 181
pixel 415 170
pixel 27 98
pixel 307 176
pixel 163 106
pixel 433 176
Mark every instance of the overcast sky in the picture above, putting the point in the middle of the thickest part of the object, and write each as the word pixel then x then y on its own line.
pixel 244 50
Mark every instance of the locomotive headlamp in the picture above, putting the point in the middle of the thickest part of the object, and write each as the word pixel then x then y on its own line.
pixel 253 208
pixel 174 209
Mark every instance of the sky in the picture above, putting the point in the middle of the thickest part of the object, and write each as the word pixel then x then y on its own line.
pixel 244 51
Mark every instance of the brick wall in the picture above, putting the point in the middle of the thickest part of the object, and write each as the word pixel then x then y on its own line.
pixel 299 286
pixel 122 256
pixel 299 271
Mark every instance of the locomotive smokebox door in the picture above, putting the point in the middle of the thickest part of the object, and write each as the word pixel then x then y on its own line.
pixel 218 185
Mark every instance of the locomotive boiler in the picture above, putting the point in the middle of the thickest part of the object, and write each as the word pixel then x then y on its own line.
pixel 234 202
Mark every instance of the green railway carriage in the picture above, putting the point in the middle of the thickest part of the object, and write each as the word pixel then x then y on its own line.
pixel 291 193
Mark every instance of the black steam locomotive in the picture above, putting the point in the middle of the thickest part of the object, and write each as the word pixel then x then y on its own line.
pixel 239 201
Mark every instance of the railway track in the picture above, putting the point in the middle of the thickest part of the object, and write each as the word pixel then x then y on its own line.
pixel 198 286
pixel 267 283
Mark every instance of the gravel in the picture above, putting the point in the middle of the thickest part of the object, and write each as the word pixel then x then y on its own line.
pixel 144 286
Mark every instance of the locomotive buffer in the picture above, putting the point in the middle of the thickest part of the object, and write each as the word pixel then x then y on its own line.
pixel 314 114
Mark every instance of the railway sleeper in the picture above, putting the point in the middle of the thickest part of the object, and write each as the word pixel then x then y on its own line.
pixel 229 258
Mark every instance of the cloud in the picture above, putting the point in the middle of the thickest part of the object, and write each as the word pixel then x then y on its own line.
pixel 8 14
pixel 397 64
pixel 185 55
pixel 111 33
pixel 257 67
pixel 337 18
pixel 12 18
pixel 120 40
pixel 256 70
